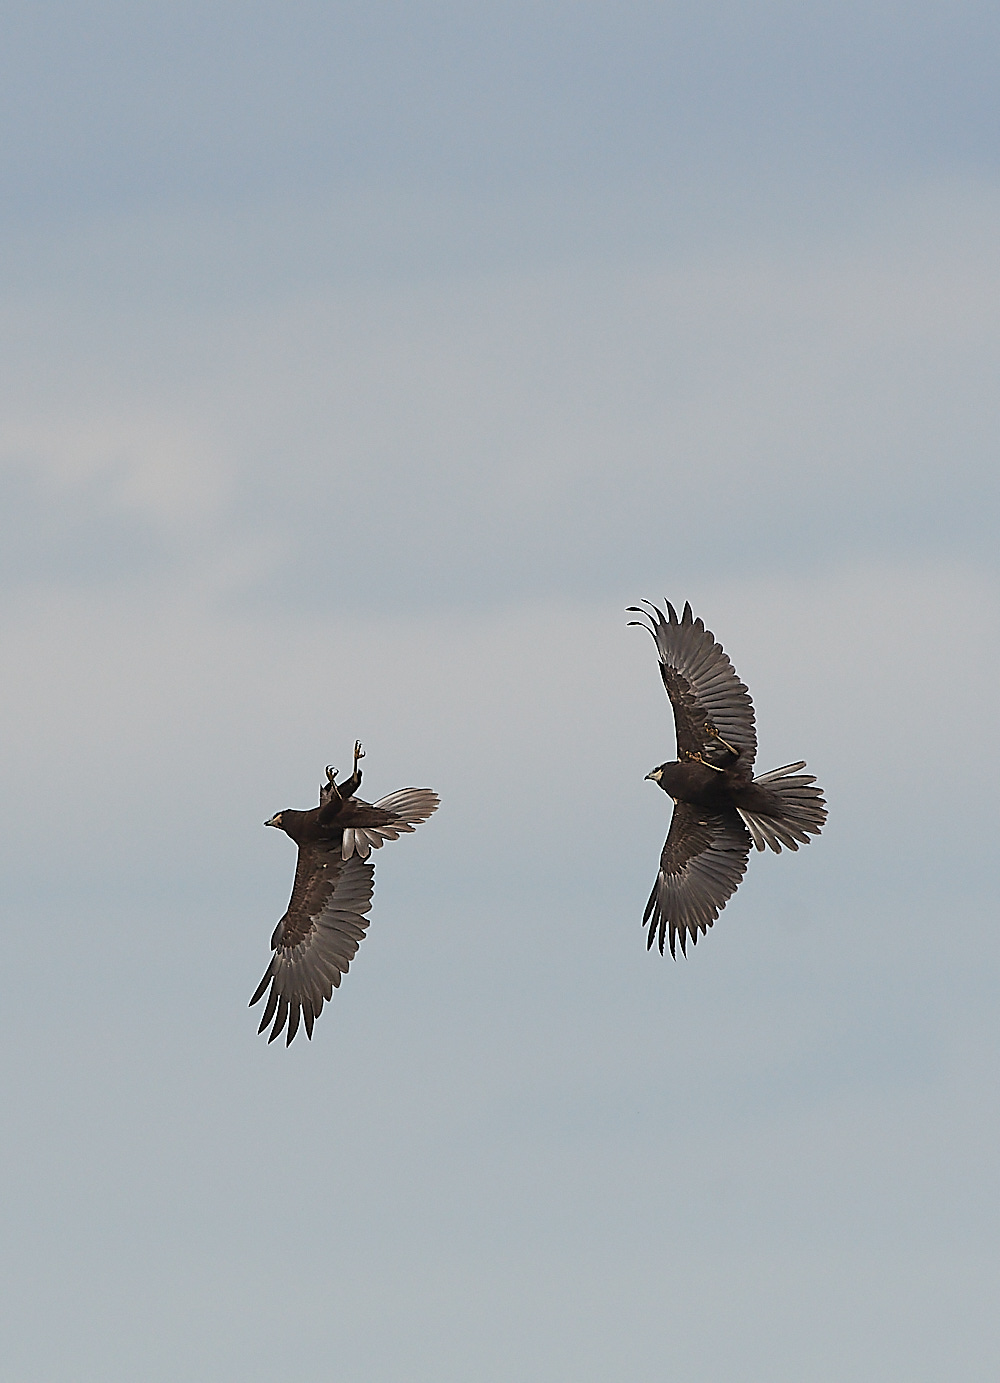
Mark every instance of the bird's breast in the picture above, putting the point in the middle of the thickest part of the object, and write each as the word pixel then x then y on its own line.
pixel 697 784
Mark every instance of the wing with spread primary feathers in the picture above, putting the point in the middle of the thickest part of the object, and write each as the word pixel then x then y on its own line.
pixel 318 937
pixel 368 825
pixel 702 684
pixel 703 860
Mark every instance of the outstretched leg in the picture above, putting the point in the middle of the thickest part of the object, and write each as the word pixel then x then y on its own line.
pixel 350 786
pixel 329 789
pixel 713 734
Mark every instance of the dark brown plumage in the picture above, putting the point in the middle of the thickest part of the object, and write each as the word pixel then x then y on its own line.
pixel 720 809
pixel 318 937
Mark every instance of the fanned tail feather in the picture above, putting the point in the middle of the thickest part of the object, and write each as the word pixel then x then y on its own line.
pixel 796 809
pixel 410 805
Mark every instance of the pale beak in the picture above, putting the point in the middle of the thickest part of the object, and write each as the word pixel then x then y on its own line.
pixel 274 822
pixel 655 776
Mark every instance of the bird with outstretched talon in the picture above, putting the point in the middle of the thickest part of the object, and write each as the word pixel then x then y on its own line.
pixel 318 937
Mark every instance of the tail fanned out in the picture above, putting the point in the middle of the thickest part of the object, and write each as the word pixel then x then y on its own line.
pixel 795 810
pixel 409 806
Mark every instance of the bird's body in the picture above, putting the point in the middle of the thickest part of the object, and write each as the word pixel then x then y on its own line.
pixel 720 808
pixel 700 785
pixel 318 937
pixel 717 787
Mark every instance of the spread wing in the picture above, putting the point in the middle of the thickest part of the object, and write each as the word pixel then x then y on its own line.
pixel 704 690
pixel 318 937
pixel 368 825
pixel 703 860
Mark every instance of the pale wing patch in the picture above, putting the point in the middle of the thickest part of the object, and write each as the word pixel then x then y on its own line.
pixel 703 860
pixel 303 977
pixel 701 681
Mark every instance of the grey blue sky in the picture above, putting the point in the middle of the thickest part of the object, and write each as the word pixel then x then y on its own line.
pixel 360 365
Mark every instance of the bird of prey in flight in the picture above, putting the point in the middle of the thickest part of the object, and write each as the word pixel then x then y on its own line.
pixel 318 937
pixel 719 807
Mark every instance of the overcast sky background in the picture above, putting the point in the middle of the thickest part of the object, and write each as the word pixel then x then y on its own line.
pixel 361 363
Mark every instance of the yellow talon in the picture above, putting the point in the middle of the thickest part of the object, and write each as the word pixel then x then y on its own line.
pixel 713 734
pixel 705 764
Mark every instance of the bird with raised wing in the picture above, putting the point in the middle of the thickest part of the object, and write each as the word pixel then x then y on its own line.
pixel 720 808
pixel 318 937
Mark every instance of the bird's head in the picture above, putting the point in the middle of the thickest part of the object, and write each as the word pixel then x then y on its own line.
pixel 656 773
pixel 276 821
